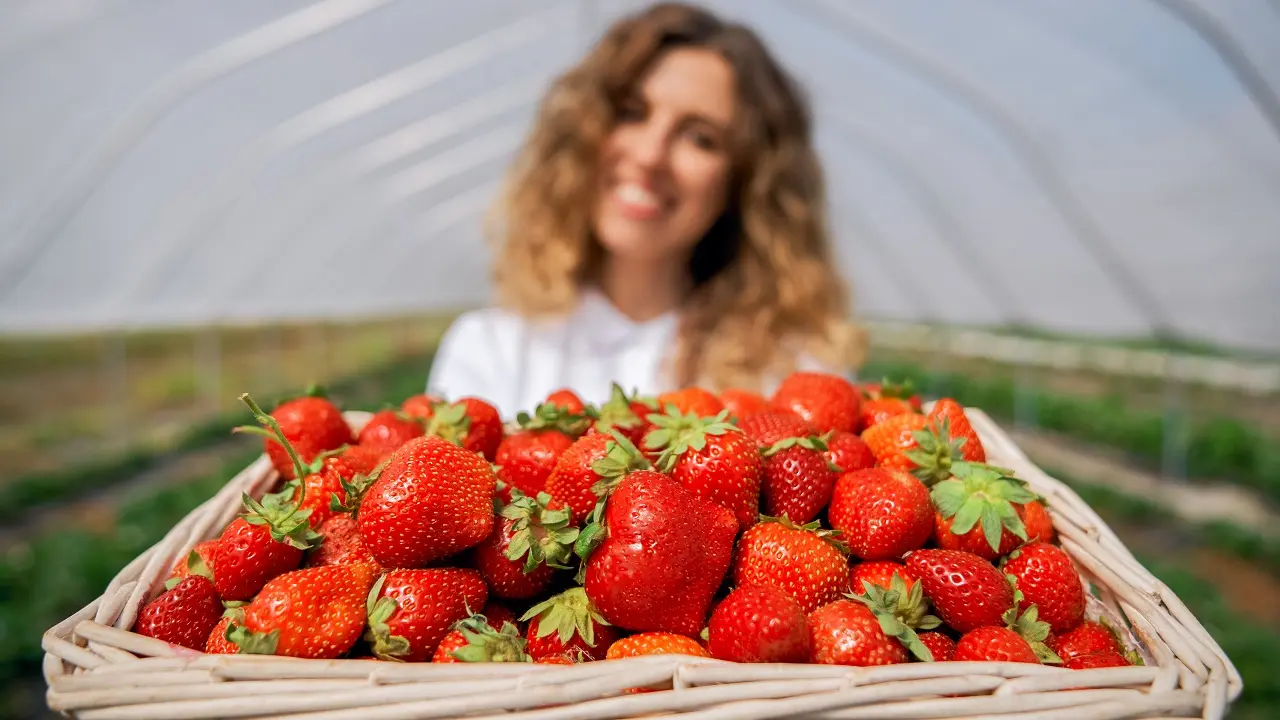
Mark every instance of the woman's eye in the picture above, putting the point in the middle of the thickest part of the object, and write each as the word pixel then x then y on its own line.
pixel 704 139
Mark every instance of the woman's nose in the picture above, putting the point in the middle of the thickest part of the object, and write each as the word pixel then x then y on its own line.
pixel 649 145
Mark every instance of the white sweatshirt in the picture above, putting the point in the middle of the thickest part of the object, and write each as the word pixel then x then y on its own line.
pixel 514 362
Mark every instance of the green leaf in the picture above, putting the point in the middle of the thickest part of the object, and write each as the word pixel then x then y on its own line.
pixel 253 643
pixel 992 528
pixel 197 566
pixel 967 516
pixel 948 496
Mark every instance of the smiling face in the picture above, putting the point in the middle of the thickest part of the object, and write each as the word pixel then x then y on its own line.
pixel 665 165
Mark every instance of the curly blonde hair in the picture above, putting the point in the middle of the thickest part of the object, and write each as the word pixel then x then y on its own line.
pixel 764 284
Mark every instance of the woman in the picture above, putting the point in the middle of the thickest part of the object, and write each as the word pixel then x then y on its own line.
pixel 664 227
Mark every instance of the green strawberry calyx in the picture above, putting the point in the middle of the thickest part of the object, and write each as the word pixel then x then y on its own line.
pixel 554 417
pixel 195 566
pixel 567 614
pixel 450 422
pixel 1032 629
pixel 676 433
pixel 816 443
pixel 982 494
pixel 936 453
pixel 484 644
pixel 900 612
pixel 354 490
pixel 249 641
pixel 621 458
pixel 280 512
pixel 379 610
pixel 539 535
pixel 890 390
pixel 831 537
pixel 617 412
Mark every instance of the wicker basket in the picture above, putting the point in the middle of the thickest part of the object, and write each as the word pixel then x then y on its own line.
pixel 96 669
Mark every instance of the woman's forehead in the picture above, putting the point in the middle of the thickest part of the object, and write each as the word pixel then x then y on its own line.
pixel 693 81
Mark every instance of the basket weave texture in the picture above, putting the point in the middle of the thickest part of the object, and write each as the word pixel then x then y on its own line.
pixel 96 669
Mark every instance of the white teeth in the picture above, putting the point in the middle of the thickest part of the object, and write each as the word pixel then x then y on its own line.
pixel 636 195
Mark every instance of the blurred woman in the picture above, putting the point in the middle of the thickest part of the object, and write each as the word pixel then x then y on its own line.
pixel 664 226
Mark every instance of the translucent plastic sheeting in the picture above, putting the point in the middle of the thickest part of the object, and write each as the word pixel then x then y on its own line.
pixel 1081 165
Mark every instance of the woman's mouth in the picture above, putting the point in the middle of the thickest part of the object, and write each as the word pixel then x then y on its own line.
pixel 636 201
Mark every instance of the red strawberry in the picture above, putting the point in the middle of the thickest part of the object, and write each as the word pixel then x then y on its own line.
pixel 271 537
pixel 967 591
pixel 1087 638
pixel 1092 661
pixel 526 458
pixel 312 425
pixel 758 624
pixel 797 478
pixel 313 613
pixel 743 404
pixel 473 640
pixel 882 514
pixel 316 495
pixel 801 561
pixel 356 460
pixel 432 499
pixel 217 643
pixel 949 415
pixel 827 402
pixel 497 614
pixel 879 573
pixel 712 458
pixel 664 554
pixel 591 459
pixel 556 660
pixel 848 452
pixel 1037 521
pixel 887 388
pixel 846 632
pixel 656 643
pixel 471 423
pixel 876 411
pixel 420 406
pixel 248 555
pixel 994 644
pixel 892 438
pixel 518 557
pixel 342 545
pixel 691 401
pixel 566 400
pixel 568 624
pixel 881 401
pixel 183 615
pixel 387 430
pixel 1044 576
pixel 198 562
pixel 941 647
pixel 978 510
pixel 410 611
pixel 768 428
pixel 625 414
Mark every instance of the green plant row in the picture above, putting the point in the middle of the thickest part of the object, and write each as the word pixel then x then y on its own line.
pixel 47 488
pixel 1217 448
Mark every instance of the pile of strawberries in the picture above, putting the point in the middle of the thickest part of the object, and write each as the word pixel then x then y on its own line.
pixel 830 523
